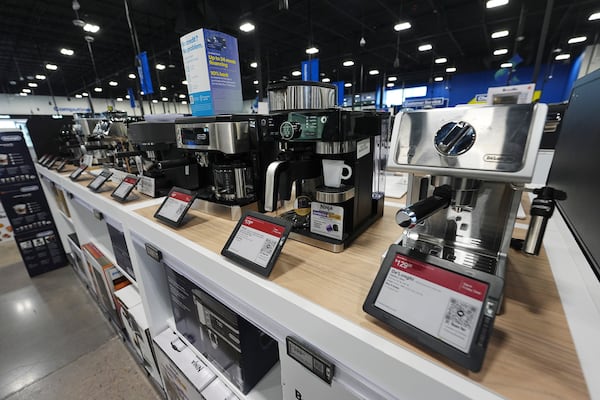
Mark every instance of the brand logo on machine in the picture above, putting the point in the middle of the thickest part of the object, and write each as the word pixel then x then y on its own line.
pixel 325 207
pixel 196 364
pixel 499 158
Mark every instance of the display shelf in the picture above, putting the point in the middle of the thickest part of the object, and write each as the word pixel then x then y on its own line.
pixel 110 256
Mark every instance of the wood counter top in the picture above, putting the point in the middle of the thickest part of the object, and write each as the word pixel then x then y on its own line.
pixel 530 355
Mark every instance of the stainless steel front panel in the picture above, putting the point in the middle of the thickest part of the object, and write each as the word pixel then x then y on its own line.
pixel 226 137
pixel 501 146
pixel 301 97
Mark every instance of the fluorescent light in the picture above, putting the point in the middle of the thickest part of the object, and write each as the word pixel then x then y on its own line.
pixel 154 101
pixel 402 26
pixel 451 69
pixel 131 76
pixel 499 34
pixel 390 84
pixel 347 84
pixel 348 63
pixel 438 78
pixel 25 90
pixel 78 96
pixel 40 77
pixel 163 88
pixel 184 83
pixel 66 52
pixel 577 39
pixel 119 99
pixel 85 94
pixel 296 73
pixel 32 84
pixel 506 65
pixel 374 72
pixel 52 67
pixel 255 82
pixel 247 27
pixel 594 16
pixel 113 83
pixel 182 96
pixel 91 28
pixel 160 67
pixel 564 56
pixel 500 52
pixel 392 78
pixel 441 60
pixel 253 64
pixel 164 99
pixel 184 102
pixel 98 89
pixel 496 3
pixel 425 47
pixel 312 50
pixel 326 80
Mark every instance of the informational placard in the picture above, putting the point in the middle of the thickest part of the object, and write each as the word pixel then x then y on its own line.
pixel 256 241
pixel 327 220
pixel 173 210
pixel 442 305
pixel 125 187
pixel 515 94
pixel 99 180
pixel 77 173
pixel 26 207
pixel 212 70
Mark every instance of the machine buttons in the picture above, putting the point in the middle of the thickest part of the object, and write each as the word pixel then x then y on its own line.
pixel 454 138
pixel 289 130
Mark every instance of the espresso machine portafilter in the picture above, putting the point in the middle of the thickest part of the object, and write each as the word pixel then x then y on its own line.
pixel 467 169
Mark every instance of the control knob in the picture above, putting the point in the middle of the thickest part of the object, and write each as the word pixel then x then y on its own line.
pixel 290 130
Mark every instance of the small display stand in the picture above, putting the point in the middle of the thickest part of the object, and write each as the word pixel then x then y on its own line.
pixel 124 189
pixel 175 207
pixel 77 173
pixel 99 180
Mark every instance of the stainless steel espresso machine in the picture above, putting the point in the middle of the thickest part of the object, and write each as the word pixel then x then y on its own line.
pixel 324 213
pixel 467 169
pixel 225 155
pixel 102 134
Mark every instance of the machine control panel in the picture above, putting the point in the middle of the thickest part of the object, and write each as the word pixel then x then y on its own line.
pixel 455 138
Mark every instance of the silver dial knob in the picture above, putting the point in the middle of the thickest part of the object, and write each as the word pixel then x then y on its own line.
pixel 455 138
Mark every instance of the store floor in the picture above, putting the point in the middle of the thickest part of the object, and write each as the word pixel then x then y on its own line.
pixel 55 343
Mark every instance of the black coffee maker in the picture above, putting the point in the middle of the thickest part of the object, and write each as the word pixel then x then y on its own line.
pixel 226 157
pixel 327 216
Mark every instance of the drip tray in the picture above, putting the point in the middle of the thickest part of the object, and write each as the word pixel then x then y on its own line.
pixel 329 195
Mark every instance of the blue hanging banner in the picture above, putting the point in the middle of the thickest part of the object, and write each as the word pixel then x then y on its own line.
pixel 310 70
pixel 144 73
pixel 340 92
pixel 131 97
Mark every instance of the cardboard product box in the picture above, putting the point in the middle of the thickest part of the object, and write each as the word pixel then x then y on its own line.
pixel 79 264
pixel 183 374
pixel 142 340
pixel 127 298
pixel 239 349
pixel 107 278
pixel 119 245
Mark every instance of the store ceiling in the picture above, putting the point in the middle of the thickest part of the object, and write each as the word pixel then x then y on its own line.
pixel 32 32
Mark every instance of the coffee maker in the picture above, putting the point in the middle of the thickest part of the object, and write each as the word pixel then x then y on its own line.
pixel 225 156
pixel 157 159
pixel 328 217
pixel 467 168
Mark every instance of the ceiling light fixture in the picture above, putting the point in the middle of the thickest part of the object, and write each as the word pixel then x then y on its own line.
pixel 441 60
pixel 390 84
pixel 78 96
pixel 562 57
pixel 32 84
pixel 184 83
pixel 113 83
pixel 85 94
pixel 22 94
pixel 348 63
pixel 325 80
pixel 98 89
pixel 578 39
pixel 374 72
pixel 451 69
pixel 595 16
pixel 40 77
pixel 119 99
pixel 392 78
pixel 506 65
pixel 163 87
pixel 253 64
pixel 164 99
pixel 25 90
pixel 347 84
pixel 91 28
pixel 51 67
pixel 500 34
pixel 247 27
pixel 160 67
pixel 66 52
pixel 496 3
pixel 255 82
pixel 312 50
pixel 154 101
pixel 438 78
pixel 500 52
pixel 182 96
pixel 425 47
pixel 402 26
pixel 127 97
pixel 131 76
pixel 184 102
pixel 296 73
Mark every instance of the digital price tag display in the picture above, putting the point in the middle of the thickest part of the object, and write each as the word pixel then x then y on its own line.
pixel 256 241
pixel 46 163
pixel 442 305
pixel 125 187
pixel 43 159
pixel 175 207
pixel 61 165
pixel 77 173
pixel 53 162
pixel 310 359
pixel 99 180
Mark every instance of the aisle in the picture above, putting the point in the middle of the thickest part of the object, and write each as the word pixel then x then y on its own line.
pixel 55 343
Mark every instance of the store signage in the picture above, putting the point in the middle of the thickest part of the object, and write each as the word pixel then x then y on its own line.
pixel 212 70
pixel 434 102
pixel 144 73
pixel 310 70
